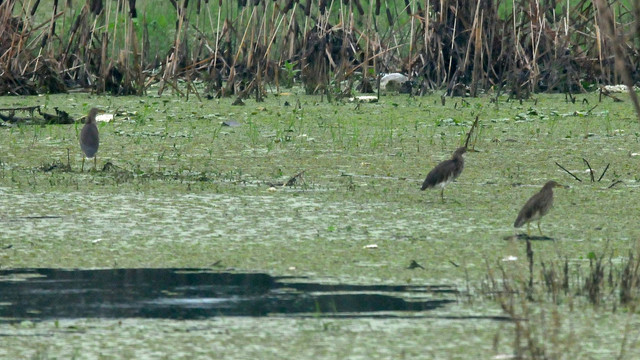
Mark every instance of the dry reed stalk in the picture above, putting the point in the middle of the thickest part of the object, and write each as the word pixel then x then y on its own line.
pixel 515 33
pixel 217 32
pixel 273 37
pixel 599 40
pixel 123 55
pixel 365 69
pixel 52 28
pixel 373 57
pixel 103 62
pixel 138 55
pixel 115 28
pixel 427 29
pixel 411 34
pixel 252 39
pixel 535 41
pixel 304 32
pixel 474 30
pixel 477 56
pixel 171 63
pixel 180 12
pixel 242 41
pixel 73 33
pixel 453 41
pixel 617 41
pixel 291 32
pixel 522 41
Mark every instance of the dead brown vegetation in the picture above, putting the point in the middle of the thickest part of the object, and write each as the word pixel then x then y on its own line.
pixel 240 47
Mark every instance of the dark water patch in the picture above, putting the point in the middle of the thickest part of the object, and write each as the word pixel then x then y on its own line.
pixel 39 294
pixel 523 236
pixel 231 123
pixel 439 317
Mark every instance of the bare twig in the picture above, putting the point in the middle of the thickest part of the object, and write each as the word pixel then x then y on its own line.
pixel 568 172
pixel 530 259
pixel 590 169
pixel 473 126
pixel 608 94
pixel 604 172
pixel 614 184
pixel 292 181
pixel 414 265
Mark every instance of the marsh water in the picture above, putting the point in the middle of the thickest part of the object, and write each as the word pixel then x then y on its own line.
pixel 176 188
pixel 186 294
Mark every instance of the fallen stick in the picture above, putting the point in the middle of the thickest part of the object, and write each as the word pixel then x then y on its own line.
pixel 568 172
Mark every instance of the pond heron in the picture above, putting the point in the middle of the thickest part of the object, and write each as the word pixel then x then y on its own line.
pixel 89 138
pixel 537 206
pixel 445 172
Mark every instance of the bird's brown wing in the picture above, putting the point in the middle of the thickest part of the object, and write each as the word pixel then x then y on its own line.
pixel 442 172
pixel 535 205
pixel 89 139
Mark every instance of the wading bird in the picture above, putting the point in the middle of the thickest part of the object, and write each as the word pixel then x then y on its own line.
pixel 89 138
pixel 445 172
pixel 537 206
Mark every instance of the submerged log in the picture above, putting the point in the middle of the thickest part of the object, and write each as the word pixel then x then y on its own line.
pixel 8 115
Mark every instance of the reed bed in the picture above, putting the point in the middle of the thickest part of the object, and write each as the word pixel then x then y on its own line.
pixel 245 47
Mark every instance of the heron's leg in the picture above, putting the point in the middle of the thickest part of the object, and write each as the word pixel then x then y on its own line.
pixel 82 169
pixel 528 230
pixel 442 194
pixel 95 162
pixel 539 227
